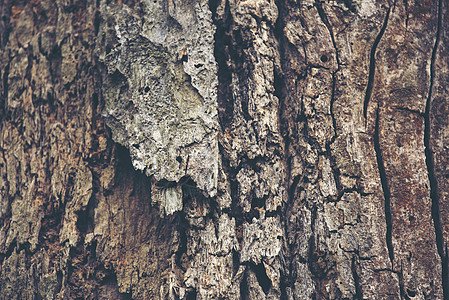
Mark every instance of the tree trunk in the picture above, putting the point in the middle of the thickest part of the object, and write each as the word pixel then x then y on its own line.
pixel 252 149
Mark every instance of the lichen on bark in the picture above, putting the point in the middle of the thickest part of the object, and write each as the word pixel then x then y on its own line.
pixel 160 89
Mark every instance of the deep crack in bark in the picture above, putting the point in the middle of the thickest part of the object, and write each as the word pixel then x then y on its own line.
pixel 372 65
pixel 331 108
pixel 358 288
pixel 406 12
pixel 385 187
pixel 434 191
pixel 335 170
pixel 5 89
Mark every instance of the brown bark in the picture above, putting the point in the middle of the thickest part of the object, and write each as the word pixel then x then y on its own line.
pixel 224 149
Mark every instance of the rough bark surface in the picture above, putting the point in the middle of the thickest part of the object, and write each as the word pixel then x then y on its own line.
pixel 258 149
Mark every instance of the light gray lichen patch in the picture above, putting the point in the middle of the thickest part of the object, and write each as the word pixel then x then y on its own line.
pixel 169 198
pixel 160 89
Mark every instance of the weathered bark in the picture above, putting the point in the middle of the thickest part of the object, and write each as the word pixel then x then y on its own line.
pixel 224 150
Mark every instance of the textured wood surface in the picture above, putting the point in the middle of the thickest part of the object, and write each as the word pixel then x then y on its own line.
pixel 224 150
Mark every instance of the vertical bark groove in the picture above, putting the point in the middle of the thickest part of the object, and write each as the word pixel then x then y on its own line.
pixel 358 289
pixel 4 99
pixel 434 191
pixel 372 65
pixel 385 187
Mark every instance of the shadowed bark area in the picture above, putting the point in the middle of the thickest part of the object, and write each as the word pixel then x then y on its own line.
pixel 224 150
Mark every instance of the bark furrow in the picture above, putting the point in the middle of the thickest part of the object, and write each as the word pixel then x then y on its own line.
pixel 372 65
pixel 385 188
pixel 433 182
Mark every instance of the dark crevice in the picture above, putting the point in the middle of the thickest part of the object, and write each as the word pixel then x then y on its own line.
pixel 29 66
pixel 235 261
pixel 378 270
pixel 406 12
pixel 401 286
pixel 59 277
pixel 293 186
pixel 372 65
pixel 411 293
pixel 182 227
pixel 313 218
pixel 335 169
pixel 262 278
pixel 409 110
pixel 319 262
pixel 325 20
pixel 279 86
pixel 94 101
pixel 107 277
pixel 385 187
pixel 5 24
pixel 285 282
pixel 191 295
pixel 274 213
pixel 252 214
pixel 51 225
pixel 97 22
pixel 258 202
pixel 355 275
pixel 221 53
pixel 126 296
pixel 343 191
pixel 434 191
pixel 331 108
pixel 244 287
pixel 226 50
pixel 8 253
pixel 85 221
pixel 5 89
pixel 230 57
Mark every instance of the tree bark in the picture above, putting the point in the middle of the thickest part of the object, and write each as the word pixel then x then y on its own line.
pixel 226 149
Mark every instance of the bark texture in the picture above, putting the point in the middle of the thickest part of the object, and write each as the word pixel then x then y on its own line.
pixel 257 149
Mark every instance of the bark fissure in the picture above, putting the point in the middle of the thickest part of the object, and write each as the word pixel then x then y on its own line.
pixel 287 278
pixel 413 111
pixel 385 188
pixel 5 89
pixel 434 191
pixel 358 288
pixel 372 65
pixel 325 20
pixel 262 278
pixel 222 42
pixel 335 170
pixel 331 108
pixel 182 227
pixel 8 252
pixel 406 12
pixel 402 291
pixel 244 286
